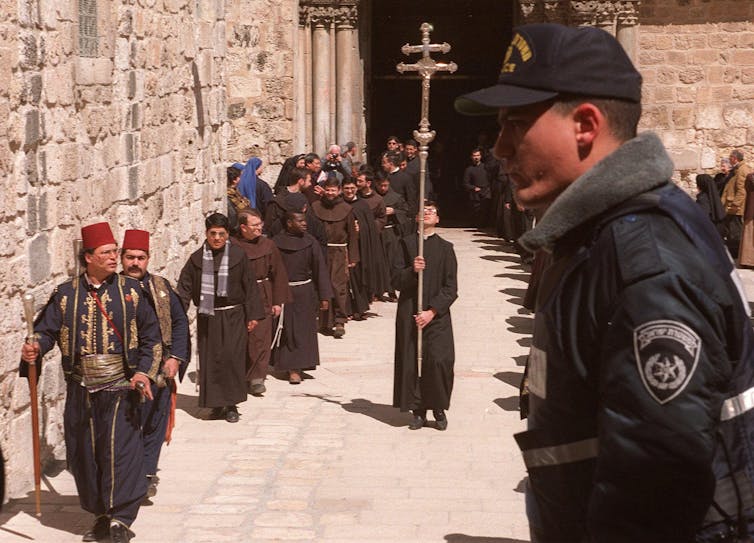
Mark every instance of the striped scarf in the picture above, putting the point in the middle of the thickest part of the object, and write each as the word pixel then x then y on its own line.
pixel 207 297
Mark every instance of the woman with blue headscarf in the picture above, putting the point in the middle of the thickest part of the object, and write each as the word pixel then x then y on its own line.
pixel 252 187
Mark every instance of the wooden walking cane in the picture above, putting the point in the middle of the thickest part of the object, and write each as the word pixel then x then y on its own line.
pixel 29 313
pixel 426 67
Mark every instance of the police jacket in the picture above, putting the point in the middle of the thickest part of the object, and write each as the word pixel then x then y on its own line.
pixel 641 368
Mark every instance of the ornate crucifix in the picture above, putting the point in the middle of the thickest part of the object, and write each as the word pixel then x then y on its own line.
pixel 426 67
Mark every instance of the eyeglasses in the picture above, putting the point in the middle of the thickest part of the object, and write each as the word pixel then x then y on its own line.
pixel 430 211
pixel 255 225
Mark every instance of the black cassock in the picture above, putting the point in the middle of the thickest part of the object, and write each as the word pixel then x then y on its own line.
pixel 365 278
pixel 440 291
pixel 309 280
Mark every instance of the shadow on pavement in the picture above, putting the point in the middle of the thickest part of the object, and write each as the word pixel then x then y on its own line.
pixel 59 518
pixel 463 538
pixel 521 360
pixel 521 325
pixel 508 404
pixel 515 276
pixel 189 404
pixel 512 378
pixel 516 295
pixel 386 414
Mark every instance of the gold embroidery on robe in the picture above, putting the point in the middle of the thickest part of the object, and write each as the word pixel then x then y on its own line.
pixel 135 297
pixel 88 326
pixel 65 347
pixel 133 340
pixel 108 335
pixel 162 307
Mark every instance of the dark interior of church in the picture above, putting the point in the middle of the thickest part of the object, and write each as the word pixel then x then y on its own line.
pixel 479 32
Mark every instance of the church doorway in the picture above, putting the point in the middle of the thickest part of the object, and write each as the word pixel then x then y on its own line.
pixel 478 31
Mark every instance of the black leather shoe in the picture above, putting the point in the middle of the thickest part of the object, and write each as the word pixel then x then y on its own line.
pixel 119 533
pixel 217 413
pixel 231 413
pixel 100 530
pixel 416 422
pixel 441 419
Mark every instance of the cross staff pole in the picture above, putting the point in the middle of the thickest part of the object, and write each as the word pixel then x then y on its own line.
pixel 426 67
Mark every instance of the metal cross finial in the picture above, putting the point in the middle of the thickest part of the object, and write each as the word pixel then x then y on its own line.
pixel 426 67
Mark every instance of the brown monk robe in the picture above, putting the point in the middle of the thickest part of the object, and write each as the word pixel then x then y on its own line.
pixel 342 253
pixel 269 272
pixel 746 250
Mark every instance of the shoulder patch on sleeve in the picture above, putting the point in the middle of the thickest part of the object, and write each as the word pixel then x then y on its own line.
pixel 667 354
pixel 636 252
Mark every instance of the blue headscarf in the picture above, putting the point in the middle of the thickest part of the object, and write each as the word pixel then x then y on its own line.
pixel 248 184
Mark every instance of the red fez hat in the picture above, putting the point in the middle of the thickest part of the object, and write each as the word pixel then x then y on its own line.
pixel 136 239
pixel 96 235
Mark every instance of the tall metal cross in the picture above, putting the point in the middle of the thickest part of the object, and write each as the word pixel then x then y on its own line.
pixel 426 67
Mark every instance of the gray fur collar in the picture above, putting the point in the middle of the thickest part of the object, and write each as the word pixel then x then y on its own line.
pixel 637 166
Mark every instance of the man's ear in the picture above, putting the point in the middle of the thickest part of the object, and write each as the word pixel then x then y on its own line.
pixel 589 123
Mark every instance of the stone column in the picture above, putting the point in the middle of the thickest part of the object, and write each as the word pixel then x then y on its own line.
pixel 308 77
pixel 300 65
pixel 345 83
pixel 334 84
pixel 627 27
pixel 321 84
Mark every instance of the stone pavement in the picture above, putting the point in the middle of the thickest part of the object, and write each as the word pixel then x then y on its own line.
pixel 330 460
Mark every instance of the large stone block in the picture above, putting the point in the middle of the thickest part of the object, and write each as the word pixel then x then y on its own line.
pixel 32 132
pixel 691 74
pixel 738 116
pixel 28 57
pixel 685 159
pixel 710 116
pixel 39 254
pixel 730 137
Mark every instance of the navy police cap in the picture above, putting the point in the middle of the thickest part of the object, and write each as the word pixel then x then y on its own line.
pixel 546 60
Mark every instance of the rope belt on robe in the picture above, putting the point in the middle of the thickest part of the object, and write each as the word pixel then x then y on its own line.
pixel 279 329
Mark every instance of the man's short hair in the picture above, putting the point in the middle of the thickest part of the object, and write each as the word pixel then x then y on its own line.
pixel 477 150
pixel 622 115
pixel 365 168
pixel 310 157
pixel 393 138
pixel 412 143
pixel 738 154
pixel 347 181
pixel 350 145
pixel 217 220
pixel 243 216
pixel 331 181
pixel 233 174
pixel 432 203
pixel 296 174
pixel 395 158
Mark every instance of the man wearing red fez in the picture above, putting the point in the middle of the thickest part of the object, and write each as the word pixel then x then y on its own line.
pixel 157 415
pixel 110 348
pixel 218 279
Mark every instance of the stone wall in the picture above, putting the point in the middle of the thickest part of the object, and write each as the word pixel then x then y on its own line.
pixel 259 66
pixel 697 59
pixel 117 113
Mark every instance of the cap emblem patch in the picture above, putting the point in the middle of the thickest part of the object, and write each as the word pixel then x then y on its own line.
pixel 524 52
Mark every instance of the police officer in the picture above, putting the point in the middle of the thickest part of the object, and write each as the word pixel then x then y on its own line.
pixel 641 367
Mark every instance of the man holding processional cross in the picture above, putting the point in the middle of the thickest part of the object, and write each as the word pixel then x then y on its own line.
pixel 423 375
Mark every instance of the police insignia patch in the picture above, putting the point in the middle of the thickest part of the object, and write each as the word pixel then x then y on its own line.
pixel 667 353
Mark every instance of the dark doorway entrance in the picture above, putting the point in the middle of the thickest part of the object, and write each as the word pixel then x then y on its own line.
pixel 479 31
